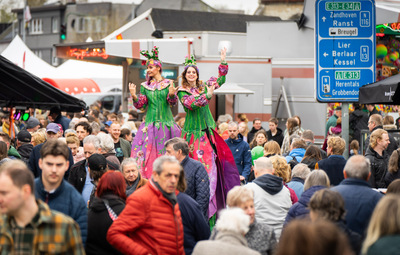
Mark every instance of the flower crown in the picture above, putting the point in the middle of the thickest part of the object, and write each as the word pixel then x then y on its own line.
pixel 152 58
pixel 190 61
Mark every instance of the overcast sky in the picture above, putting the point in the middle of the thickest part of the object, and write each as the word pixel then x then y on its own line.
pixel 249 6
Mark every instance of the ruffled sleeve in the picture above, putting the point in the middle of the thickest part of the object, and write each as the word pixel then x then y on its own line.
pixel 141 102
pixel 191 102
pixel 222 72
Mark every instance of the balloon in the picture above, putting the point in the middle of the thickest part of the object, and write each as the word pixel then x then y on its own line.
pixel 387 60
pixel 381 51
pixel 393 56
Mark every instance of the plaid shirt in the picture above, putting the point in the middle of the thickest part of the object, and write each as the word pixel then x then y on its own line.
pixel 51 233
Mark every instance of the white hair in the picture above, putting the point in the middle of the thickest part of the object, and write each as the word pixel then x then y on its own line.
pixel 233 220
pixel 301 171
pixel 128 161
pixel 92 139
pixel 263 163
pixel 106 143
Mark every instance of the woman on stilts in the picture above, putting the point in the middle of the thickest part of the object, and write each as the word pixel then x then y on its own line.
pixel 158 95
pixel 199 131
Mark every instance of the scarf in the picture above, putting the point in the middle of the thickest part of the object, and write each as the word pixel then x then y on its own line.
pixel 171 197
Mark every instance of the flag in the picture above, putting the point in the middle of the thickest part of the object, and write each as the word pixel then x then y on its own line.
pixel 28 15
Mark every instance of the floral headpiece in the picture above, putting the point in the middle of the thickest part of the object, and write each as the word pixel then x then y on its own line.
pixel 190 62
pixel 152 58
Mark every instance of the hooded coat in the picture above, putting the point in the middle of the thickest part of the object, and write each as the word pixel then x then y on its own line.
pixel 271 201
pixel 278 137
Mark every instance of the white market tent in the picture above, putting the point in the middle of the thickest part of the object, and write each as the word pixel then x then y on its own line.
pixel 106 76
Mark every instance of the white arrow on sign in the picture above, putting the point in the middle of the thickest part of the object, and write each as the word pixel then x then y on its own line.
pixel 325 54
pixel 323 19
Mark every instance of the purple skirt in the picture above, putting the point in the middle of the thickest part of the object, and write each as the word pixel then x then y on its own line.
pixel 148 145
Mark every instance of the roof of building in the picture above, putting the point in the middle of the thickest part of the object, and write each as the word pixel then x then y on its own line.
pixel 177 20
pixel 187 5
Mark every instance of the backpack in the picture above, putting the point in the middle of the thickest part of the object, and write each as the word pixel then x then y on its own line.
pixel 293 162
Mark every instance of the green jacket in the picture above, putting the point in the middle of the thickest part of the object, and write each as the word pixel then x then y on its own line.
pixel 125 147
pixel 55 234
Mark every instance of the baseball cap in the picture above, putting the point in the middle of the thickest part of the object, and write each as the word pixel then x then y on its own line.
pixel 108 123
pixel 32 122
pixel 24 136
pixel 53 127
pixel 97 162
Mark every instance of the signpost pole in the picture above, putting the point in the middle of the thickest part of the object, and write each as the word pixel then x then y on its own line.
pixel 345 128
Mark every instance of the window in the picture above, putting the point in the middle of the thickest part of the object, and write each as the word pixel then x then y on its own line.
pixel 90 24
pixel 54 24
pixel 36 26
pixel 38 53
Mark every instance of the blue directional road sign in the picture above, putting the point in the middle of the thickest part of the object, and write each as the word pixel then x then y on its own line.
pixel 344 48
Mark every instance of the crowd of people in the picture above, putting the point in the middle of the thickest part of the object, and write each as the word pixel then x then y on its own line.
pixel 101 184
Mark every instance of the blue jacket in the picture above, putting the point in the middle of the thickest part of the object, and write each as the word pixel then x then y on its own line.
pixel 66 200
pixel 34 157
pixel 298 153
pixel 296 184
pixel 198 184
pixel 242 154
pixel 63 121
pixel 300 208
pixel 359 201
pixel 195 227
pixel 333 167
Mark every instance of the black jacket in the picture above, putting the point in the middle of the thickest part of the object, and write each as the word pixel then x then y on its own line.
pixel 251 134
pixel 195 226
pixel 25 151
pixel 391 147
pixel 77 175
pixel 379 166
pixel 358 121
pixel 98 223
pixel 374 111
pixel 389 177
pixel 278 137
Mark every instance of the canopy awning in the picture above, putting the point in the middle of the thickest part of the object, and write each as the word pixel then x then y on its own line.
pixel 172 51
pixel 74 86
pixel 381 92
pixel 232 88
pixel 21 88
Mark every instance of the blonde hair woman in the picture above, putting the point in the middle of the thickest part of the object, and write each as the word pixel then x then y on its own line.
pixel 282 169
pixel 383 233
pixel 271 148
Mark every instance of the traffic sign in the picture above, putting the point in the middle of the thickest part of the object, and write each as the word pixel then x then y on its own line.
pixel 344 48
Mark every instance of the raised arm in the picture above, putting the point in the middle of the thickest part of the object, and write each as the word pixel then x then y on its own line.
pixel 141 101
pixel 172 97
pixel 222 72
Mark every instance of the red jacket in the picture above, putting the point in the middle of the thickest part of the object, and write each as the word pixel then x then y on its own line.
pixel 148 225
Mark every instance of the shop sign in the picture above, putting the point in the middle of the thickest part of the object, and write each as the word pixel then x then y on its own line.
pixel 167 74
pixel 345 48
